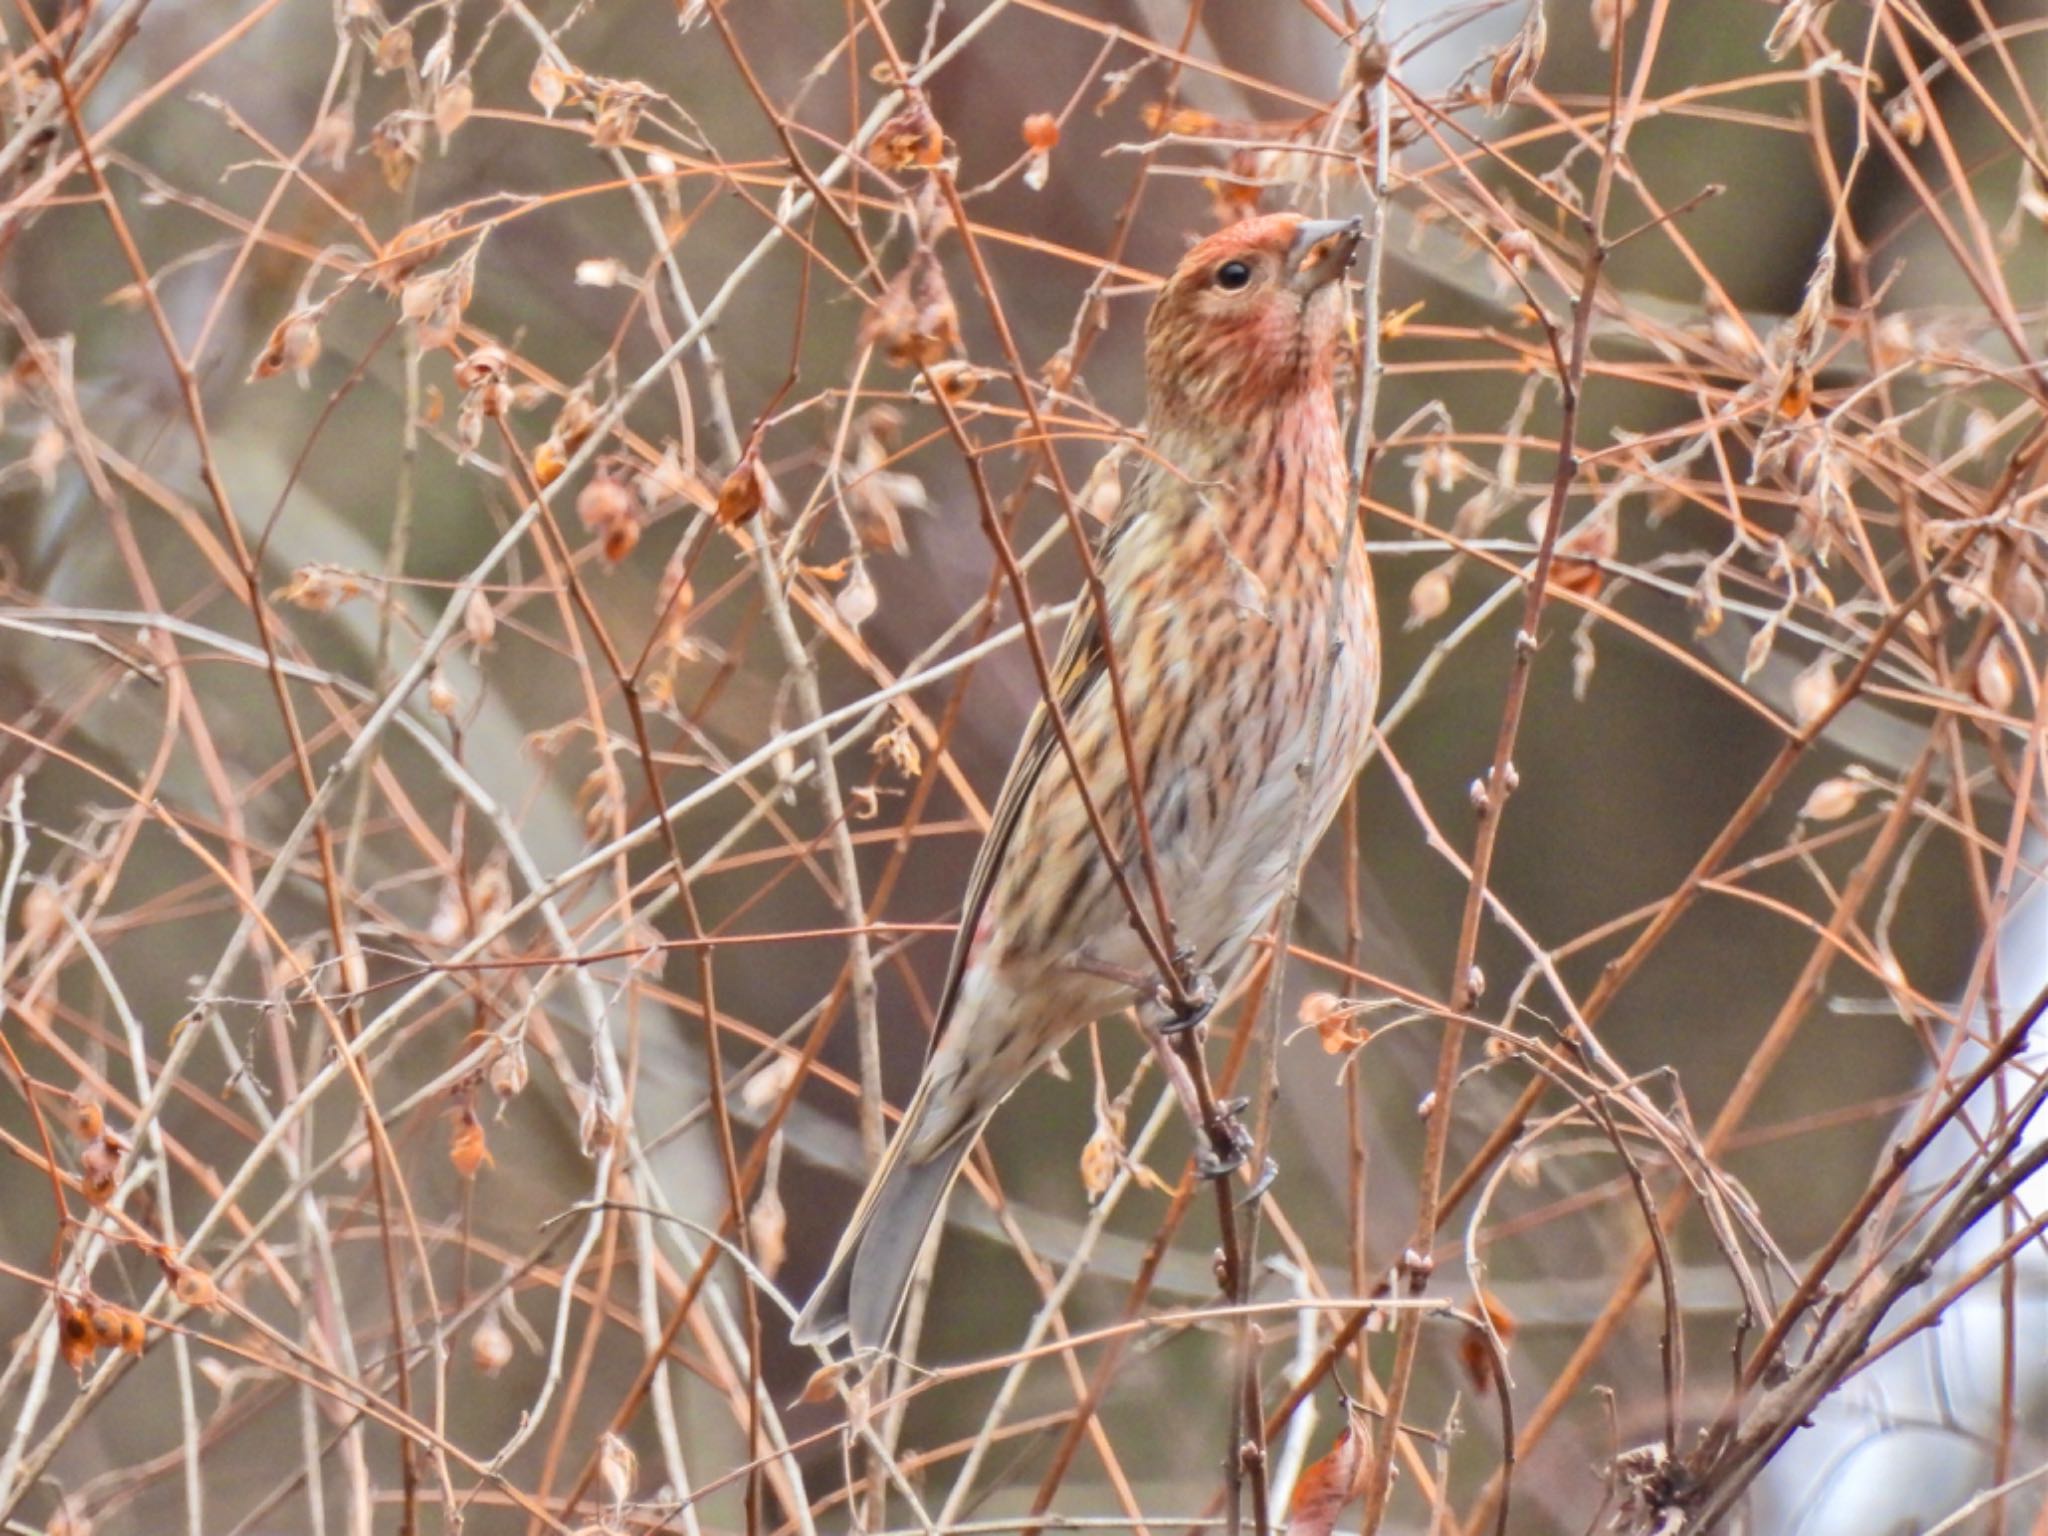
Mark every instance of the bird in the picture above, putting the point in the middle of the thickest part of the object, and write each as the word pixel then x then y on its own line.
pixel 1235 595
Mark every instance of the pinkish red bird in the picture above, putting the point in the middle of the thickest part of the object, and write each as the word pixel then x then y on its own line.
pixel 1229 576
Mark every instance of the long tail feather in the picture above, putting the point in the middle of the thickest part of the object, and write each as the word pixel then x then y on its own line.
pixel 863 1288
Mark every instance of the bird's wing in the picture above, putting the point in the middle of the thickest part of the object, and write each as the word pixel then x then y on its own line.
pixel 1076 672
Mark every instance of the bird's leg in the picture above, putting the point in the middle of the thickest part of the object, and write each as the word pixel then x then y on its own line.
pixel 1174 1066
pixel 1176 1038
pixel 1197 997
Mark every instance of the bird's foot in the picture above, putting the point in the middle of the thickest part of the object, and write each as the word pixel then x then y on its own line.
pixel 1182 1017
pixel 1229 1142
pixel 1269 1171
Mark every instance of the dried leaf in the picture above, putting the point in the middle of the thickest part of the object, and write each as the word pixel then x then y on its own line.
pixel 1328 1484
pixel 911 137
pixel 99 1169
pixel 744 491
pixel 1795 392
pixel 75 1335
pixel 1759 649
pixel 1790 26
pixel 467 1149
pixel 914 321
pixel 397 143
pixel 619 105
pixel 1475 1351
pixel 88 1122
pixel 1103 1154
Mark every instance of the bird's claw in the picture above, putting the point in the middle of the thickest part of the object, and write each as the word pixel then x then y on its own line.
pixel 1268 1172
pixel 1201 1002
pixel 1230 1144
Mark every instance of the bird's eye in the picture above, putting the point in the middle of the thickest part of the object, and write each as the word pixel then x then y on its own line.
pixel 1233 275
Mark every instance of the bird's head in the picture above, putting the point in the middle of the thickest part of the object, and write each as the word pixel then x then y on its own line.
pixel 1250 319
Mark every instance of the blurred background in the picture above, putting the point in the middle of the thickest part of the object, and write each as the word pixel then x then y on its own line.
pixel 339 288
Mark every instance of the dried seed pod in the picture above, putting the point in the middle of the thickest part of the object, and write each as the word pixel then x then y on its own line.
pixel 75 1336
pixel 99 1169
pixel 856 601
pixel 509 1072
pixel 485 365
pixel 294 344
pixel 1813 690
pixel 479 620
pixel 604 501
pixel 1996 682
pixel 490 1346
pixel 1102 1156
pixel 195 1288
pixel 453 104
pixel 617 1467
pixel 1515 66
pixel 1832 799
pixel 911 137
pixel 1475 1351
pixel 1430 598
pixel 768 1231
pixel 88 1121
pixel 743 493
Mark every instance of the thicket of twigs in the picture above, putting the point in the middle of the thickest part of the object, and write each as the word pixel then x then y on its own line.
pixel 509 634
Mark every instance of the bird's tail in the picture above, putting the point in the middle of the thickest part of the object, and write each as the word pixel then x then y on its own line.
pixel 863 1288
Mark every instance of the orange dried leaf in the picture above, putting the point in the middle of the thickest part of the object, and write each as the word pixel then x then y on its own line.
pixel 87 1120
pixel 1795 395
pixel 1475 1351
pixel 1186 121
pixel 744 491
pixel 604 502
pixel 1393 327
pixel 1328 1485
pixel 468 1150
pixel 911 137
pixel 75 1336
pixel 99 1169
pixel 548 463
pixel 195 1288
pixel 823 1384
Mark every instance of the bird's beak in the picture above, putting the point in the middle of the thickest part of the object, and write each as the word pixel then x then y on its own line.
pixel 1322 252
